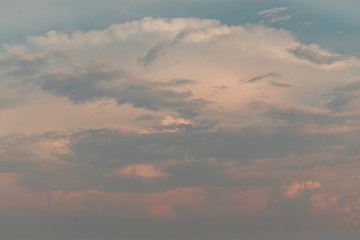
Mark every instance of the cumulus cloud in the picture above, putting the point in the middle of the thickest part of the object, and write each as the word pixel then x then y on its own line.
pixel 157 118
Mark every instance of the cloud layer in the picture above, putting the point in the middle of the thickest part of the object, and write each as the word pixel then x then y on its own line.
pixel 179 121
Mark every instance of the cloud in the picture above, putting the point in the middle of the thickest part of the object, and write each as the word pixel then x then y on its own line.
pixel 272 11
pixel 147 120
pixel 179 82
pixel 97 83
pixel 297 187
pixel 272 15
pixel 153 53
pixel 268 75
pixel 313 54
pixel 20 64
pixel 144 171
pixel 344 95
pixel 292 111
pixel 280 19
pixel 64 65
pixel 280 84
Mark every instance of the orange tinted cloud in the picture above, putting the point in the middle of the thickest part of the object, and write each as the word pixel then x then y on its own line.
pixel 298 187
pixel 144 171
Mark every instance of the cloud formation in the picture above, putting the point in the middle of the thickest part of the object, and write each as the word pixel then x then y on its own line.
pixel 273 15
pixel 297 187
pixel 155 119
pixel 272 11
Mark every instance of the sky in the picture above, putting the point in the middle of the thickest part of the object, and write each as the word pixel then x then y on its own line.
pixel 160 119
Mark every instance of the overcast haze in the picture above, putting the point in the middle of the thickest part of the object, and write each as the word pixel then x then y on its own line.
pixel 157 119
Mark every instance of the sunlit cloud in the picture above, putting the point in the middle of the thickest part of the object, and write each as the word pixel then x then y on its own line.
pixel 186 122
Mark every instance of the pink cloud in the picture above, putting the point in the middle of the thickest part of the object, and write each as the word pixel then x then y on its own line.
pixel 144 171
pixel 298 187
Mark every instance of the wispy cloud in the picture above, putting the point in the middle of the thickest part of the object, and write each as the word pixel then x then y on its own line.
pixel 268 75
pixel 280 19
pixel 273 15
pixel 272 11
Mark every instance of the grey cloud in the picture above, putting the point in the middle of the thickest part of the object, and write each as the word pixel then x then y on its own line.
pixel 155 52
pixel 340 101
pixel 310 120
pixel 146 117
pixel 18 154
pixel 173 83
pixel 160 48
pixel 95 153
pixel 22 65
pixel 22 60
pixel 89 82
pixel 182 34
pixel 344 95
pixel 351 87
pixel 295 113
pixel 179 82
pixel 313 55
pixel 280 84
pixel 268 75
pixel 221 88
pixel 79 87
pixel 92 82
pixel 146 96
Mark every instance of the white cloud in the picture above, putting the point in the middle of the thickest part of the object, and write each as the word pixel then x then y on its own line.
pixel 272 11
pixel 101 68
pixel 280 19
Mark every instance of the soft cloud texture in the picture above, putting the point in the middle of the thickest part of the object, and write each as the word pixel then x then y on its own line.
pixel 272 11
pixel 297 187
pixel 178 121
